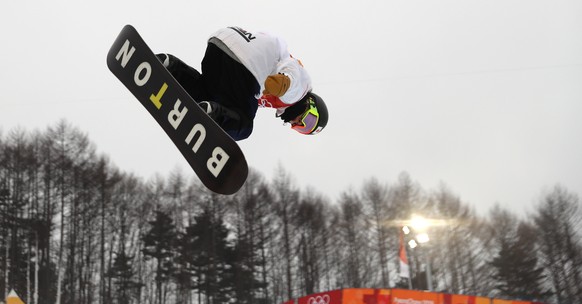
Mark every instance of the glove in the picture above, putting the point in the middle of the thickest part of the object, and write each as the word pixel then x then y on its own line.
pixel 277 85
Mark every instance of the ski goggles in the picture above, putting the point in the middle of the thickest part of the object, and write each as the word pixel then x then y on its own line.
pixel 308 120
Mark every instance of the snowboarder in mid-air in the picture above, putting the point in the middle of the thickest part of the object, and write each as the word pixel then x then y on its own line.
pixel 243 70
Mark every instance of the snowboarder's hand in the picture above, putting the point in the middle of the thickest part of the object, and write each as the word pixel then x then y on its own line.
pixel 277 85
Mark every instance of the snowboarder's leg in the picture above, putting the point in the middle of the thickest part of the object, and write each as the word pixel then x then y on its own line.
pixel 188 77
pixel 232 86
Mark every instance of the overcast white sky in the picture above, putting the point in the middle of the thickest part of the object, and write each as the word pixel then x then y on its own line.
pixel 485 96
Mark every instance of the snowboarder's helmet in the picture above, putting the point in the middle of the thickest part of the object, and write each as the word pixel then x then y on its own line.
pixel 314 117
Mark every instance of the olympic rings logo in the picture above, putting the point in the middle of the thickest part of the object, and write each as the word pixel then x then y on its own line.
pixel 319 300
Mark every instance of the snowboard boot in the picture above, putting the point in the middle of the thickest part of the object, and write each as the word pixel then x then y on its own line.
pixel 218 112
pixel 168 60
pixel 207 107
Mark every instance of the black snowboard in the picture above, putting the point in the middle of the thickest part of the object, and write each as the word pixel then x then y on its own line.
pixel 214 155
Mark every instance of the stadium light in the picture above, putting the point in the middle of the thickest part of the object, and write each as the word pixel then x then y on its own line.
pixel 422 238
pixel 413 244
pixel 419 223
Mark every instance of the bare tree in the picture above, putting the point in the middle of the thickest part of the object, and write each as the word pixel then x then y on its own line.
pixel 252 220
pixel 15 197
pixel 375 199
pixel 286 198
pixel 353 229
pixel 558 221
pixel 312 228
pixel 456 243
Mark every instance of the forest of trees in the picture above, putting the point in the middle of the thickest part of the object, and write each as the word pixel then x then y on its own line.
pixel 76 229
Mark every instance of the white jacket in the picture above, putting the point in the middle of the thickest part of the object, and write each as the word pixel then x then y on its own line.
pixel 264 54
